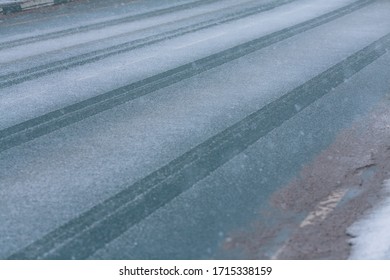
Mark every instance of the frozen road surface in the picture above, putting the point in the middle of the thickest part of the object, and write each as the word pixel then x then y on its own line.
pixel 188 129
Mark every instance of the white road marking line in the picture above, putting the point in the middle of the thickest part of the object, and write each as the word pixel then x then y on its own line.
pixel 86 77
pixel 320 212
pixel 133 62
pixel 118 67
pixel 324 208
pixel 279 251
pixel 199 41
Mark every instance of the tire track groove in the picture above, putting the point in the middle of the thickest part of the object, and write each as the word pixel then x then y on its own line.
pixel 84 235
pixel 45 124
pixel 94 26
pixel 15 78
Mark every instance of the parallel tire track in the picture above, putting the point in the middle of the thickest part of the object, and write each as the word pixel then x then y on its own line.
pixel 94 26
pixel 84 235
pixel 45 124
pixel 49 68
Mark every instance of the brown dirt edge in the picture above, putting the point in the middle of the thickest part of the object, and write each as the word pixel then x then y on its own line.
pixel 357 162
pixel 355 165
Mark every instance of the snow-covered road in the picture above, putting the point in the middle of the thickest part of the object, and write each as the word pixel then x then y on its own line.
pixel 160 129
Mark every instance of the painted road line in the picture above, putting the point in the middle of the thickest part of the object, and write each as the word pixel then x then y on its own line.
pixel 324 208
pixel 199 41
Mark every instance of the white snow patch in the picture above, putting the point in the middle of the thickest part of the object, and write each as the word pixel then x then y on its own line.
pixel 372 239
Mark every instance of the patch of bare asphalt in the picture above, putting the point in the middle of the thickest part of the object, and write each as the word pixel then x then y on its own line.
pixel 315 209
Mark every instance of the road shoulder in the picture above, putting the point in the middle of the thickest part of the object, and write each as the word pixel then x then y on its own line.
pixel 337 188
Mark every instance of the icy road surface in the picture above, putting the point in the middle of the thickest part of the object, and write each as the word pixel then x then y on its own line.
pixel 162 129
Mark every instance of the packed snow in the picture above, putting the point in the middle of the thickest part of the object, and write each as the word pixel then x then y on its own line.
pixel 371 239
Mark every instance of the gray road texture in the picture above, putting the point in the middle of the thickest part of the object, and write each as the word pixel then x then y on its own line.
pixel 45 124
pixel 185 152
pixel 18 77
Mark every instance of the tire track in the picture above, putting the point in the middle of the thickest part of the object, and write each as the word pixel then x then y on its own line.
pixel 42 125
pixel 94 26
pixel 84 235
pixel 79 60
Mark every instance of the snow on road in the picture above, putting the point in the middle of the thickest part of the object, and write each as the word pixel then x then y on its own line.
pixel 109 31
pixel 371 239
pixel 56 177
pixel 52 92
